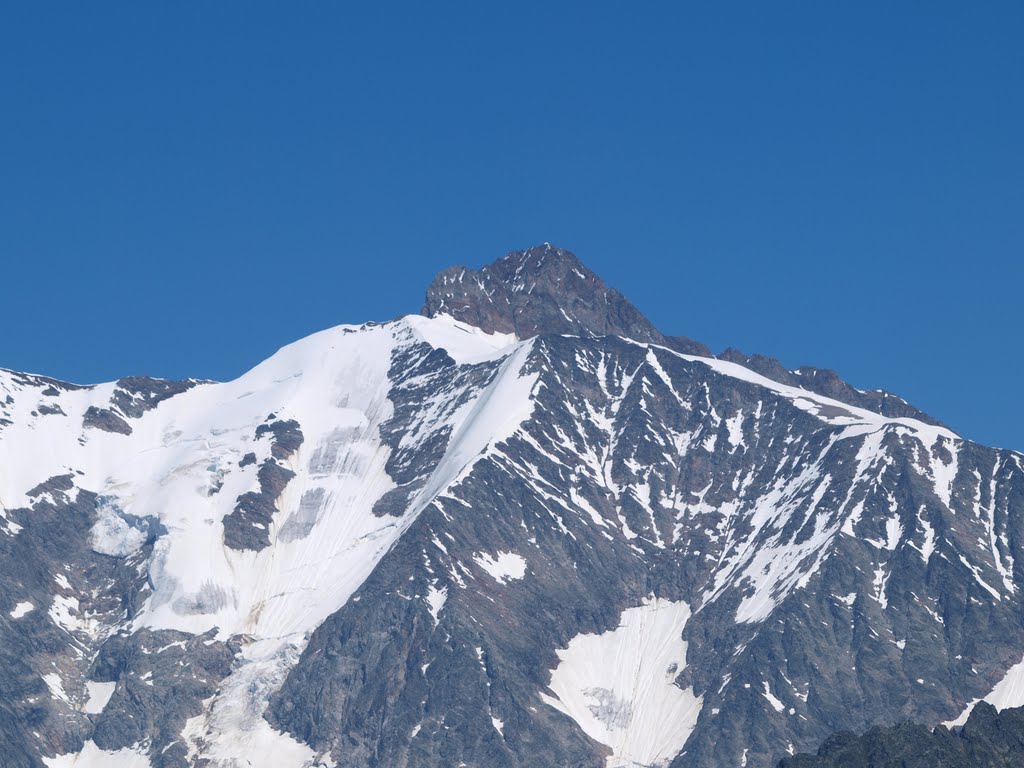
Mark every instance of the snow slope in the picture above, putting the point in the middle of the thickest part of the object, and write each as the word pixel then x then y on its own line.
pixel 184 464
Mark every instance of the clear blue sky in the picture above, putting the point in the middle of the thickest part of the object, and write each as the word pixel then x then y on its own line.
pixel 186 187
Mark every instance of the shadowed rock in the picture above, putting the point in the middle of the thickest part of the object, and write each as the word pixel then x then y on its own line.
pixel 989 739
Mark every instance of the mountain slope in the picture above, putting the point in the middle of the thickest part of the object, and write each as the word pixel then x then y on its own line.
pixel 988 740
pixel 546 290
pixel 534 533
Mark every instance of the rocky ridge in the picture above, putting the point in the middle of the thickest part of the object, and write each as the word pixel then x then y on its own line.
pixel 404 544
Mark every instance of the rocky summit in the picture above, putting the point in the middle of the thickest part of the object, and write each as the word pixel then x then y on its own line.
pixel 522 529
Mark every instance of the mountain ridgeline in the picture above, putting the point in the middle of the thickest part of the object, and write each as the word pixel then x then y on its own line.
pixel 989 739
pixel 523 529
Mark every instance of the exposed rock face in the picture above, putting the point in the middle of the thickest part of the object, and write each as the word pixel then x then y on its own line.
pixel 988 740
pixel 59 600
pixel 542 291
pixel 134 395
pixel 400 564
pixel 160 681
pixel 828 383
pixel 105 419
pixel 248 525
pixel 547 290
pixel 646 472
pixel 131 398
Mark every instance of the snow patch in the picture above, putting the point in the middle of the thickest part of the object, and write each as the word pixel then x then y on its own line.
pixel 66 613
pixel 1008 693
pixel 436 598
pixel 777 704
pixel 928 545
pixel 464 343
pixel 880 581
pixel 21 609
pixel 92 756
pixel 99 695
pixel 56 686
pixel 735 426
pixel 503 568
pixel 942 473
pixel 619 686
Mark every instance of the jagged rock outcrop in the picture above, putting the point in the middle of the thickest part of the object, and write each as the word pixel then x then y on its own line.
pixel 548 290
pixel 827 382
pixel 989 739
pixel 543 291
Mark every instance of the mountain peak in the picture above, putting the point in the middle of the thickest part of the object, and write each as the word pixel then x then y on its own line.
pixel 547 290
pixel 541 290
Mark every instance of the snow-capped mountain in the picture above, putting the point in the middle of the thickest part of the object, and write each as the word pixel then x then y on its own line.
pixel 524 528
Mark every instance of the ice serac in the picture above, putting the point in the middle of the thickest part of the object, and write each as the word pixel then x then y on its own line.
pixel 525 530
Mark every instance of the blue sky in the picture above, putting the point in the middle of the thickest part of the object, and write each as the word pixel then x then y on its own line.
pixel 184 188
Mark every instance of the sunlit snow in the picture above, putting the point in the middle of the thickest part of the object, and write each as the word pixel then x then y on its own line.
pixel 503 567
pixel 181 467
pixel 436 599
pixel 99 695
pixel 620 688
pixel 1008 693
pixel 92 756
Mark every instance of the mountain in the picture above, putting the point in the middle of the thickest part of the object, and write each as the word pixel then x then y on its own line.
pixel 524 528
pixel 989 739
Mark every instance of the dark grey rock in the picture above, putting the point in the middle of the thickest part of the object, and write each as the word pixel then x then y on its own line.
pixel 988 740
pixel 419 374
pixel 162 679
pixel 50 561
pixel 248 525
pixel 134 395
pixel 827 382
pixel 285 436
pixel 58 484
pixel 106 420
pixel 540 291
